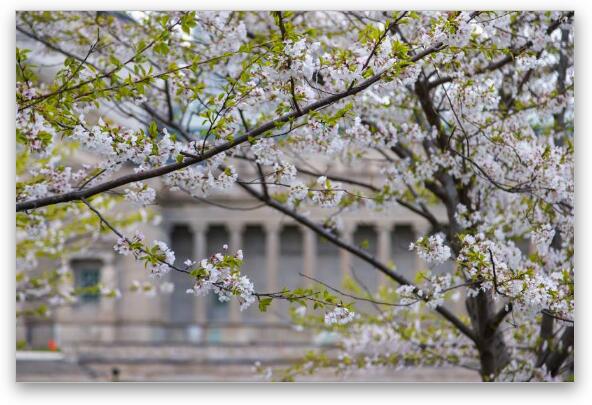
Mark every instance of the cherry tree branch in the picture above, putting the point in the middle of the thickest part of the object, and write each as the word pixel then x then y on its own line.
pixel 161 171
pixel 508 58
pixel 424 212
pixel 400 279
pixel 259 295
pixel 355 297
pixel 36 100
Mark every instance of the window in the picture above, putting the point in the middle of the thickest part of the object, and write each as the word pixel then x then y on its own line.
pixel 365 237
pixel 254 266
pixel 291 259
pixel 87 274
pixel 181 303
pixel 328 262
pixel 405 260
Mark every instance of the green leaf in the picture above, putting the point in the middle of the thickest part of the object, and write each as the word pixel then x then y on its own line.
pixel 264 303
pixel 153 130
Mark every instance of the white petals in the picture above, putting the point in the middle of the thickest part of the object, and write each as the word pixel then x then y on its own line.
pixel 339 316
pixel 432 249
pixel 221 276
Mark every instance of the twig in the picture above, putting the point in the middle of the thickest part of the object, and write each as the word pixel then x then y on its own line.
pixel 355 297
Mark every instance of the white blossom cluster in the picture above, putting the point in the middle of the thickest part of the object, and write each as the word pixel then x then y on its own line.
pixel 298 193
pixel 140 194
pixel 38 133
pixel 150 289
pixel 530 291
pixel 202 180
pixel 159 259
pixel 542 238
pixel 59 181
pixel 219 274
pixel 267 152
pixel 398 341
pixel 327 194
pixel 465 127
pixel 431 249
pixel 339 316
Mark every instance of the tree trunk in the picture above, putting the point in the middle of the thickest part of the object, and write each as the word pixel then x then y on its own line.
pixel 493 352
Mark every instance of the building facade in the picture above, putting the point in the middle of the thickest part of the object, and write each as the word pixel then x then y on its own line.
pixel 277 253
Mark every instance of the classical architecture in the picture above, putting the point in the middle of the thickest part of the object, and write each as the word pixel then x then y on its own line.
pixel 198 332
pixel 277 253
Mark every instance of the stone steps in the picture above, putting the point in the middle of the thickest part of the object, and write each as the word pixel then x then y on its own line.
pixel 179 354
pixel 198 363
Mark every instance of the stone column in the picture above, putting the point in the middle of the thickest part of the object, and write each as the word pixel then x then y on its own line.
pixel 164 302
pixel 384 246
pixel 62 312
pixel 236 242
pixel 109 306
pixel 310 253
pixel 166 230
pixel 419 229
pixel 347 235
pixel 199 253
pixel 272 254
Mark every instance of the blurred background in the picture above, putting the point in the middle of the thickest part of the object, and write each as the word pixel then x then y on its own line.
pixel 166 334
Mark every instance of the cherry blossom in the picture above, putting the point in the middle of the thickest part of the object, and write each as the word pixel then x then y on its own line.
pixel 465 119
pixel 431 249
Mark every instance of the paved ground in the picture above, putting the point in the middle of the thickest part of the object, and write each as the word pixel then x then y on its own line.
pixel 196 363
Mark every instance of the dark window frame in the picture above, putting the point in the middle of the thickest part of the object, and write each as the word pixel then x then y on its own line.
pixel 87 272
